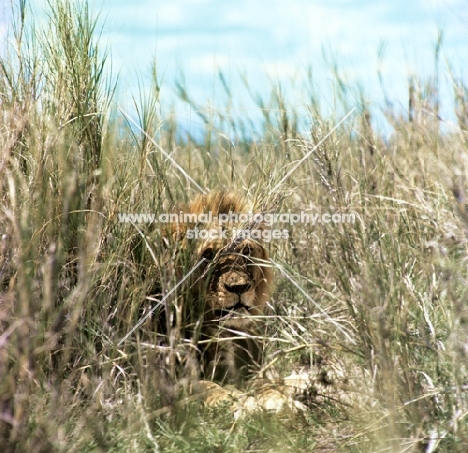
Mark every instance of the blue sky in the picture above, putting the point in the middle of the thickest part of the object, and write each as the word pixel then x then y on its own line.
pixel 275 40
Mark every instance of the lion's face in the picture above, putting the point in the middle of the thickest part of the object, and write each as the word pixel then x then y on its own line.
pixel 227 294
pixel 235 289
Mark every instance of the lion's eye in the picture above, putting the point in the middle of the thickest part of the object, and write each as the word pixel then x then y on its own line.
pixel 208 254
pixel 247 250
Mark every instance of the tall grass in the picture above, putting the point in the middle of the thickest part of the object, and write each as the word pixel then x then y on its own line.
pixel 377 316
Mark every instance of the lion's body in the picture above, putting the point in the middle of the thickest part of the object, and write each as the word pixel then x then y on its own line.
pixel 228 291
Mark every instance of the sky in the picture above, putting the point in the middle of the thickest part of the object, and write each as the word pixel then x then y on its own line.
pixel 272 42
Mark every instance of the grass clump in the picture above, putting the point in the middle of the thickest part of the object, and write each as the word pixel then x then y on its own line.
pixel 374 311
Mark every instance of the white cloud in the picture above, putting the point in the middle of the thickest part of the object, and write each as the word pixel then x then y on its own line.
pixel 278 39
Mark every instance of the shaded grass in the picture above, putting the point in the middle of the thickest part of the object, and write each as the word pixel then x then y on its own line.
pixel 74 281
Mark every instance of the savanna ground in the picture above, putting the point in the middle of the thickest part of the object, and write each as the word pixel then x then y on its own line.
pixel 378 317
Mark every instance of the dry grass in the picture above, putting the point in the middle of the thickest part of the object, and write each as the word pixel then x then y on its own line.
pixel 377 315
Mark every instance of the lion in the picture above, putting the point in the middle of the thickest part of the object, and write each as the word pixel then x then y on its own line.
pixel 225 296
pixel 228 281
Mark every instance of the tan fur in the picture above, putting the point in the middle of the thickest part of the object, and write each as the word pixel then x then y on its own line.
pixel 228 292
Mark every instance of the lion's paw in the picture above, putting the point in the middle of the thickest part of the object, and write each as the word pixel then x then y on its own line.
pixel 265 397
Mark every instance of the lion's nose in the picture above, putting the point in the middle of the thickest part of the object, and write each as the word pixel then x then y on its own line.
pixel 236 282
pixel 237 288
